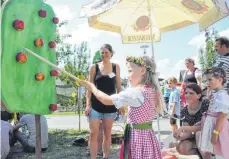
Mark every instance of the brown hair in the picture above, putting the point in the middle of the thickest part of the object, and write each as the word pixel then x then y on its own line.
pixel 109 47
pixel 190 60
pixel 195 88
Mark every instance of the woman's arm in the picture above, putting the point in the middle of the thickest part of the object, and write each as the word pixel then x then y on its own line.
pixel 91 79
pixel 193 128
pixel 118 79
pixel 198 76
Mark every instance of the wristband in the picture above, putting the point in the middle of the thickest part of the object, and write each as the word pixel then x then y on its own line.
pixel 216 132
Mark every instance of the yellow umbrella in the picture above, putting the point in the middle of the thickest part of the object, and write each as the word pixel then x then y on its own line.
pixel 142 21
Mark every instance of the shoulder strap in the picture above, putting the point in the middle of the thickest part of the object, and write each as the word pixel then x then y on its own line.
pixel 114 67
pixel 96 70
pixel 194 71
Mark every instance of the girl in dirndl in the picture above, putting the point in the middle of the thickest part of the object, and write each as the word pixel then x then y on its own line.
pixel 144 100
pixel 214 136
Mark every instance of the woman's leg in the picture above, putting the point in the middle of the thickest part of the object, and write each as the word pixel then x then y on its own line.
pixel 94 131
pixel 94 122
pixel 100 138
pixel 107 126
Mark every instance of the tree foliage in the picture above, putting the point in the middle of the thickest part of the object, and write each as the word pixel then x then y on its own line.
pixel 63 49
pixel 207 53
pixel 77 64
pixel 75 60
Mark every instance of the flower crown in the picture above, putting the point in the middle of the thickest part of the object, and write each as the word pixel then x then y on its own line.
pixel 139 61
pixel 217 72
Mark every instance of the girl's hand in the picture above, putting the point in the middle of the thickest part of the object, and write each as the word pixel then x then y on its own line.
pixel 214 139
pixel 88 85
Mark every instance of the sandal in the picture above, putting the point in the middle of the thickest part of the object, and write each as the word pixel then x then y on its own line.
pixel 100 154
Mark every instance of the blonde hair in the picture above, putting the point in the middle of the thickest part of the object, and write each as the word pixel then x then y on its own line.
pixel 173 80
pixel 151 78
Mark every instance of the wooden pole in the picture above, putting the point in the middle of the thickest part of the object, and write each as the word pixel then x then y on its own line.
pixel 153 56
pixel 79 103
pixel 38 136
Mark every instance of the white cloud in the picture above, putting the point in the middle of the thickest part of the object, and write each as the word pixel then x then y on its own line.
pixel 63 12
pixel 85 33
pixel 199 40
pixel 168 69
pixel 225 33
pixel 162 67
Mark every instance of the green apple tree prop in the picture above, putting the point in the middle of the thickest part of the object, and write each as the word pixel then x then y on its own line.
pixel 28 84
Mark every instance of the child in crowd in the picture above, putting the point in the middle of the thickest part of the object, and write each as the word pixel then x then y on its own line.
pixel 214 136
pixel 174 103
pixel 144 100
pixel 167 91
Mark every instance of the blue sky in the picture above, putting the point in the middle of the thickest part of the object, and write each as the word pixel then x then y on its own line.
pixel 170 52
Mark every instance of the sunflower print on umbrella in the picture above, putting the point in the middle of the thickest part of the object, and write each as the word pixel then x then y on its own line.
pixel 142 24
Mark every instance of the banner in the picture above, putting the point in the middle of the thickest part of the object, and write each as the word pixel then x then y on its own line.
pixel 97 7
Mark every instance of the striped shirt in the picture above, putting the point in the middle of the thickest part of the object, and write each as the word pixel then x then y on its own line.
pixel 223 61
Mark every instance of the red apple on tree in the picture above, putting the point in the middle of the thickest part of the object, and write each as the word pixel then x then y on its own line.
pixel 54 73
pixel 21 57
pixel 39 76
pixel 18 24
pixel 39 42
pixel 42 13
pixel 52 44
pixel 53 107
pixel 55 20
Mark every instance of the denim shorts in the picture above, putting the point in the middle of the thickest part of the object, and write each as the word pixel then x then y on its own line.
pixel 98 115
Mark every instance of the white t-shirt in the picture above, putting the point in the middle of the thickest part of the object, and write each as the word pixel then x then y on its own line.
pixel 5 129
pixel 29 121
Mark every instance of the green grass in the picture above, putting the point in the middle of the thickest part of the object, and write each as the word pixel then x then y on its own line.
pixel 64 114
pixel 60 146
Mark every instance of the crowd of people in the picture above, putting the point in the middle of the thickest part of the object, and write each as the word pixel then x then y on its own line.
pixel 198 122
pixel 202 116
